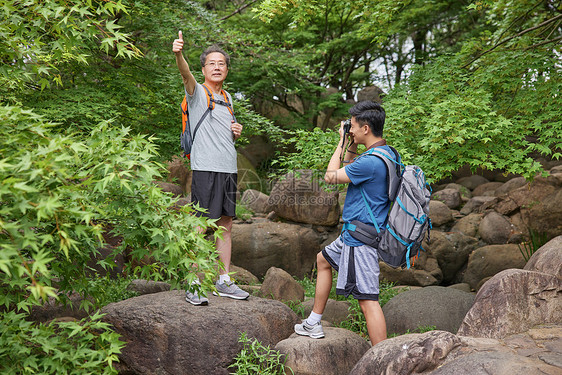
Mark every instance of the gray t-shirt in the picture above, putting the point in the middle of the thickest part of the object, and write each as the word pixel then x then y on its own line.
pixel 213 148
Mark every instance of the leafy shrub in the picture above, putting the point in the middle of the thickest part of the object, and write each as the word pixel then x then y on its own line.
pixel 60 193
pixel 84 347
pixel 255 358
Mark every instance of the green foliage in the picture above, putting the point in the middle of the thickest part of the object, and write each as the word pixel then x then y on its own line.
pixel 38 35
pixel 243 212
pixel 110 289
pixel 61 193
pixel 255 358
pixel 84 347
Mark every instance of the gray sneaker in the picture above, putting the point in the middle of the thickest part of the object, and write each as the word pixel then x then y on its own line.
pixel 315 331
pixel 195 299
pixel 229 289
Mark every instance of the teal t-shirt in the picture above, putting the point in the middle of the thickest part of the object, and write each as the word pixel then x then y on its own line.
pixel 369 172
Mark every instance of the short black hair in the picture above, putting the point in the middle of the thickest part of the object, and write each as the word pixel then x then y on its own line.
pixel 211 49
pixel 369 113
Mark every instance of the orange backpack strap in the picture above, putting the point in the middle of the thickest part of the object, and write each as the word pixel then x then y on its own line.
pixel 229 105
pixel 184 114
pixel 210 101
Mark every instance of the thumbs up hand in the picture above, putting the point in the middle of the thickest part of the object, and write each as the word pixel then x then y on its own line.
pixel 177 46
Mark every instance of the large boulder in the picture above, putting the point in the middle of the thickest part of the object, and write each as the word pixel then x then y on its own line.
pixel 547 259
pixel 442 353
pixel 166 335
pixel 495 228
pixel 336 354
pixel 298 197
pixel 490 260
pixel 436 306
pixel 259 246
pixel 407 354
pixel 514 301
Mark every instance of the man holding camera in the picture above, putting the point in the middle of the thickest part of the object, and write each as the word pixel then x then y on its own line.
pixel 357 264
pixel 213 156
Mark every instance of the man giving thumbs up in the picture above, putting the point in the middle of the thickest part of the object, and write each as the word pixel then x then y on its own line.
pixel 213 155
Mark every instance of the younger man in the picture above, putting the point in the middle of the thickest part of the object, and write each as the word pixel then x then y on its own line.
pixel 357 264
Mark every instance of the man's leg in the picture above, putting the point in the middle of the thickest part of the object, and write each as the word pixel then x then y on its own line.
pixel 224 245
pixel 376 324
pixel 312 325
pixel 323 284
pixel 225 287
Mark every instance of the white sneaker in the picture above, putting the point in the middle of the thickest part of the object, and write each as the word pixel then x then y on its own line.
pixel 314 331
pixel 195 299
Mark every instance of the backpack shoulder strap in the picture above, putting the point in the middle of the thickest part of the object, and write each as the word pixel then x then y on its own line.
pixel 210 101
pixel 393 168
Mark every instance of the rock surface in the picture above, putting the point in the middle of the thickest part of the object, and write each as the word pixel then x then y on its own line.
pixel 167 335
pixel 336 354
pixel 436 306
pixel 512 302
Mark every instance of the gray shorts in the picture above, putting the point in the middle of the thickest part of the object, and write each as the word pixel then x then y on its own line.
pixel 358 269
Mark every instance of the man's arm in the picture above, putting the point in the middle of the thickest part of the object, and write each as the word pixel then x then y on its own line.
pixel 188 78
pixel 335 174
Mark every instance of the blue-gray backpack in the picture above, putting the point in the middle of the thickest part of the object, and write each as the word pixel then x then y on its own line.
pixel 408 218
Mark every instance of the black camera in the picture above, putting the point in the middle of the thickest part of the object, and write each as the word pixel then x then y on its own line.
pixel 346 126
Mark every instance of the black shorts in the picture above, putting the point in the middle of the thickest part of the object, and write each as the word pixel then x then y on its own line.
pixel 214 191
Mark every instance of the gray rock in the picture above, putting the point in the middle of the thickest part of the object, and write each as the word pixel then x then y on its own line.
pixel 472 182
pixel 259 246
pixel 547 259
pixel 495 363
pixel 514 301
pixel 475 203
pixel 439 213
pixel 436 306
pixel 514 183
pixel 148 286
pixel 256 201
pixel 461 286
pixel 486 189
pixel 468 225
pixel 298 197
pixel 168 187
pixel 411 276
pixel 408 354
pixel 335 311
pixel 279 285
pixel 167 335
pixel 451 251
pixel 495 228
pixel 336 354
pixel 451 197
pixel 490 260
